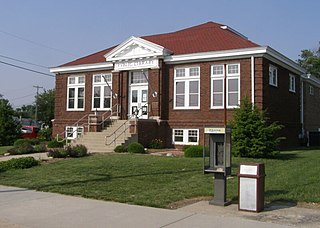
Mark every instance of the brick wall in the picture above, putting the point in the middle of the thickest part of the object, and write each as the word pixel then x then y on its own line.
pixel 311 107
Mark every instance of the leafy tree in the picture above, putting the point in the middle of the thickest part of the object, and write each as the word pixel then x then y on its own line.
pixel 45 102
pixel 253 135
pixel 26 111
pixel 310 60
pixel 9 128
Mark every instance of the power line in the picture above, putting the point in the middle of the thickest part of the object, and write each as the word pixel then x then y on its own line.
pixel 27 69
pixel 29 95
pixel 21 61
pixel 36 43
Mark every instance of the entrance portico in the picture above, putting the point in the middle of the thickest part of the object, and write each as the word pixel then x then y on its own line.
pixel 132 60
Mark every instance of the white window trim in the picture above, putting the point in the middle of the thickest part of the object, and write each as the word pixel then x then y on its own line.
pixel 101 84
pixel 271 68
pixel 76 86
pixel 185 137
pixel 292 86
pixel 221 77
pixel 187 79
pixel 311 90
pixel 74 132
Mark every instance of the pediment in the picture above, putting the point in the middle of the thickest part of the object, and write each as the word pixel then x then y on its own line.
pixel 134 48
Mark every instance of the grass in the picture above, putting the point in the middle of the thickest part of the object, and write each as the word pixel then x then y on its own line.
pixel 158 181
pixel 4 149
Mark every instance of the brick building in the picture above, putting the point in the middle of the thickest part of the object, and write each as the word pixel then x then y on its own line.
pixel 170 86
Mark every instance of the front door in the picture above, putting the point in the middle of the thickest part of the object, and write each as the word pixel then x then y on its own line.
pixel 138 94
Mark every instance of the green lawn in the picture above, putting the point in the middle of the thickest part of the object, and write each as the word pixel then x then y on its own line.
pixel 159 181
pixel 4 149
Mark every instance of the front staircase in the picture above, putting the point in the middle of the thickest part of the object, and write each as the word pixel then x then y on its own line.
pixel 105 141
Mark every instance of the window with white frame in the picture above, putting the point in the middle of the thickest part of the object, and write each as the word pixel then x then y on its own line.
pixel 292 83
pixel 101 87
pixel 185 136
pixel 311 90
pixel 73 132
pixel 75 93
pixel 187 88
pixel 138 77
pixel 273 75
pixel 217 86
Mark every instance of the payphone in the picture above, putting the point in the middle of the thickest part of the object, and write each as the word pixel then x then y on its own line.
pixel 219 161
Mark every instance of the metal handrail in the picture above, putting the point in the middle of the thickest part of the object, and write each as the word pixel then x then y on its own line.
pixel 109 116
pixel 114 133
pixel 75 124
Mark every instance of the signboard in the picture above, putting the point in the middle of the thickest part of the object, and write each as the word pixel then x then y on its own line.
pixel 136 64
pixel 215 130
pixel 249 169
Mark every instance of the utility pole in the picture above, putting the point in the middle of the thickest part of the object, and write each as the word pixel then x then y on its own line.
pixel 36 114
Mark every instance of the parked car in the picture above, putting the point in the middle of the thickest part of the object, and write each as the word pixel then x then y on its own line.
pixel 29 132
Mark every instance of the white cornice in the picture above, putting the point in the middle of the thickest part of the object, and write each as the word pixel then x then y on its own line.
pixel 312 79
pixel 82 68
pixel 264 51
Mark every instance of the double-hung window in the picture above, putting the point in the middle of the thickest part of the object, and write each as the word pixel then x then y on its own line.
pixel 187 88
pixel 292 83
pixel 232 86
pixel 185 136
pixel 102 84
pixel 273 75
pixel 75 93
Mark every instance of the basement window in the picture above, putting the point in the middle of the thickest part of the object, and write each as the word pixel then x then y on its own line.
pixel 185 136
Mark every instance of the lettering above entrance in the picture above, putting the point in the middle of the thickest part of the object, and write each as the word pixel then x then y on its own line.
pixel 136 53
pixel 136 64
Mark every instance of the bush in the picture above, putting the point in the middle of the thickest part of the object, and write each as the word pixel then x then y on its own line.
pixel 136 148
pixel 121 149
pixel 40 148
pixel 70 151
pixel 77 151
pixel 55 144
pixel 45 134
pixel 58 153
pixel 185 147
pixel 252 133
pixel 156 144
pixel 18 163
pixel 195 151
pixel 21 146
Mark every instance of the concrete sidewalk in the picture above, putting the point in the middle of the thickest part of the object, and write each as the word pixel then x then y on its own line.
pixel 28 208
pixel 37 156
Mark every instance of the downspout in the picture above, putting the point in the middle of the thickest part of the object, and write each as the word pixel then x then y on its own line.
pixel 302 109
pixel 252 80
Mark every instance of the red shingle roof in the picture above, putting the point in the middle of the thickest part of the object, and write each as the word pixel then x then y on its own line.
pixel 201 38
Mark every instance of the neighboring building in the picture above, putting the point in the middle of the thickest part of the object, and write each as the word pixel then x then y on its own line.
pixel 177 83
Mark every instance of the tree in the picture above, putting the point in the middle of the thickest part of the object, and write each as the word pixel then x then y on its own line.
pixel 252 134
pixel 45 102
pixel 9 128
pixel 26 111
pixel 310 60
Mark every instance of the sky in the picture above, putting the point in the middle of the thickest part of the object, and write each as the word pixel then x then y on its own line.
pixel 49 33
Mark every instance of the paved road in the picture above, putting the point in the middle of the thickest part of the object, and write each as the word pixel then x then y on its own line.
pixel 28 208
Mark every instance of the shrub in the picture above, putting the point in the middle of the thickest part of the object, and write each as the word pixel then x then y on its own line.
pixel 195 151
pixel 40 147
pixel 156 144
pixel 55 144
pixel 77 151
pixel 21 147
pixel 45 134
pixel 185 147
pixel 121 149
pixel 252 133
pixel 136 148
pixel 58 153
pixel 19 163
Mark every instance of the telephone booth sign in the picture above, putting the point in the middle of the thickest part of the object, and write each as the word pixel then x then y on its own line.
pixel 219 150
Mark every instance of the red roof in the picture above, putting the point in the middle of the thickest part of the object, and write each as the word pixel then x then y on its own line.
pixel 201 38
